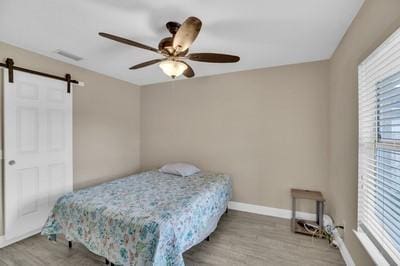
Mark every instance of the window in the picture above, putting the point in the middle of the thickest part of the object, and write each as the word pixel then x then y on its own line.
pixel 379 149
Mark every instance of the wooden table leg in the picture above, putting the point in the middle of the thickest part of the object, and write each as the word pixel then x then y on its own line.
pixel 321 214
pixel 293 214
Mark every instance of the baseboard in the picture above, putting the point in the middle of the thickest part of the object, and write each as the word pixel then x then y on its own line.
pixel 287 214
pixel 275 212
pixel 5 242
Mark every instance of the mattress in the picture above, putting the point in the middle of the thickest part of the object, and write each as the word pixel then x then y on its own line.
pixel 149 218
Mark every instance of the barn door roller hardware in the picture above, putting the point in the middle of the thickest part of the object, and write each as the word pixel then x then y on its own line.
pixel 11 67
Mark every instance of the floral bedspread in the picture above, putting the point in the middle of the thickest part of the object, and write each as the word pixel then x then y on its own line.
pixel 149 218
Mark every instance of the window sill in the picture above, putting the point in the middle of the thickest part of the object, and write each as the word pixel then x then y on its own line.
pixel 371 249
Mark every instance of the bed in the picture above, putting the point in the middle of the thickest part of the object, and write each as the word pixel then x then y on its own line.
pixel 149 218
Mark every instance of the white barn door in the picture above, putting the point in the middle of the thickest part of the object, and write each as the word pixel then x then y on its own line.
pixel 37 151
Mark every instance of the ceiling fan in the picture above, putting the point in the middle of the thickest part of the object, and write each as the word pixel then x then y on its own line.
pixel 175 49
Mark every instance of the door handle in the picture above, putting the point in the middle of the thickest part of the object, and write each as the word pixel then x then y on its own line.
pixel 12 162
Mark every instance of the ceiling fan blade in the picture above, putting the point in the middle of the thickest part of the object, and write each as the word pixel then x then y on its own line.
pixel 186 34
pixel 189 73
pixel 128 42
pixel 145 64
pixel 213 58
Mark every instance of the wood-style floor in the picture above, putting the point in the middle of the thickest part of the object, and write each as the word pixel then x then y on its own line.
pixel 240 239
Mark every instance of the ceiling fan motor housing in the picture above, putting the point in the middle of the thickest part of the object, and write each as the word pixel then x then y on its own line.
pixel 166 45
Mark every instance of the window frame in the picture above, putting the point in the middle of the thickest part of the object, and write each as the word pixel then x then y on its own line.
pixel 377 228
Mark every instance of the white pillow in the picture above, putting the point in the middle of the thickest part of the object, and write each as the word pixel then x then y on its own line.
pixel 182 169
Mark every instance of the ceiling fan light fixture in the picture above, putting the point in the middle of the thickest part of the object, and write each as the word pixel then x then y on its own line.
pixel 173 68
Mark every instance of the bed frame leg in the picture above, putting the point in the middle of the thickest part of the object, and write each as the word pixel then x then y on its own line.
pixel 112 264
pixel 226 211
pixel 70 244
pixel 53 238
pixel 208 238
pixel 107 262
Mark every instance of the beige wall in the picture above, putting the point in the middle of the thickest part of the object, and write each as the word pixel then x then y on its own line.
pixel 106 120
pixel 267 128
pixel 376 20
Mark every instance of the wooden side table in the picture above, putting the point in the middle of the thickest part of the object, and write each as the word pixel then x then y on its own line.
pixel 309 195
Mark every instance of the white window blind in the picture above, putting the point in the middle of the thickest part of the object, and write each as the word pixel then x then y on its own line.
pixel 379 148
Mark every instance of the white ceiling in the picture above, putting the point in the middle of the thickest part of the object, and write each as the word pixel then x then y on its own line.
pixel 263 33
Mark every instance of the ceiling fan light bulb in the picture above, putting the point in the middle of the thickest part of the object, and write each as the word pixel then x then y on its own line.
pixel 173 68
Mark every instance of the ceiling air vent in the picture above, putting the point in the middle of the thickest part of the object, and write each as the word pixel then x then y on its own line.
pixel 68 55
